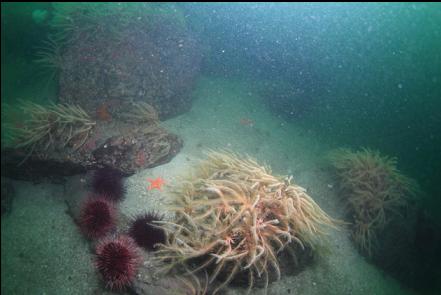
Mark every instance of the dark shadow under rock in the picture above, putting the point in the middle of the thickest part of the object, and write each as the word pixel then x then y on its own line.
pixel 7 196
pixel 409 250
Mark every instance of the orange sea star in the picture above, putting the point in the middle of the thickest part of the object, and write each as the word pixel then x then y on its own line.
pixel 156 183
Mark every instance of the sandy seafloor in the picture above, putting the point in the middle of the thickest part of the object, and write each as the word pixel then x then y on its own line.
pixel 42 251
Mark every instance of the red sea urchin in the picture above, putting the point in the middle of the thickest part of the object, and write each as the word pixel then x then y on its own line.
pixel 145 233
pixel 97 217
pixel 117 260
pixel 109 182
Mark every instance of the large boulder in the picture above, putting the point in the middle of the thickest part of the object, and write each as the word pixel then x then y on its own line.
pixel 154 61
pixel 113 144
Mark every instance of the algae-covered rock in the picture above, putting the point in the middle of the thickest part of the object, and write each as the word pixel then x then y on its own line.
pixel 126 54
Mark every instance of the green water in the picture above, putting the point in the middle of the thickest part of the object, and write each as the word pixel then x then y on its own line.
pixel 371 72
pixel 378 67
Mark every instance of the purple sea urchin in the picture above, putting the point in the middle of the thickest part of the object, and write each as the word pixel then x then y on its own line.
pixel 97 217
pixel 145 233
pixel 117 260
pixel 109 182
